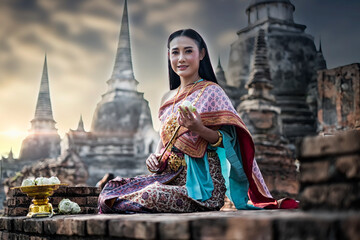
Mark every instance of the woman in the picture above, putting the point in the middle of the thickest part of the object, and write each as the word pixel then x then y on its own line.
pixel 203 153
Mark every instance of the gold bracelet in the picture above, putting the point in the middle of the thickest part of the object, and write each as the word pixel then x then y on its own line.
pixel 219 141
pixel 150 170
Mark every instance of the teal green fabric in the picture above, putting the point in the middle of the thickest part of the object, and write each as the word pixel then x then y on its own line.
pixel 198 180
pixel 199 183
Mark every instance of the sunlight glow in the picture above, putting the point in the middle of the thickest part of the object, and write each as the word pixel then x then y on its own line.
pixel 14 133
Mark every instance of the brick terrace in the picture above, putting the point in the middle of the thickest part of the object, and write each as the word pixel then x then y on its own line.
pixel 262 224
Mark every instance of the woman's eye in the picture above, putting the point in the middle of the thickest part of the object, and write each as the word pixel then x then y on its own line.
pixel 188 51
pixel 174 52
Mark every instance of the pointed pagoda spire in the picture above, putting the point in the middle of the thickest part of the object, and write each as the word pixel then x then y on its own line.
pixel 260 72
pixel 321 62
pixel 259 84
pixel 123 69
pixel 43 109
pixel 220 74
pixel 11 155
pixel 80 127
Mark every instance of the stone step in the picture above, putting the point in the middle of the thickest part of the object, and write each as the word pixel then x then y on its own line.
pixel 249 224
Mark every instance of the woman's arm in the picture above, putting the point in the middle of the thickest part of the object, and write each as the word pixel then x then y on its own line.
pixel 192 121
pixel 159 147
pixel 152 161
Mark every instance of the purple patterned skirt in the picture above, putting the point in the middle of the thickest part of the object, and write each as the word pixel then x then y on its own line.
pixel 165 192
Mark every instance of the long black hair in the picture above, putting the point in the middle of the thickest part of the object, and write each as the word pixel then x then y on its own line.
pixel 205 68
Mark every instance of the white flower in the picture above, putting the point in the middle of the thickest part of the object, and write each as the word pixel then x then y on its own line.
pixel 75 208
pixel 42 181
pixel 27 182
pixel 54 180
pixel 188 104
pixel 65 206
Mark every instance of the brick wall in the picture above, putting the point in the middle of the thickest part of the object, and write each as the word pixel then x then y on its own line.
pixel 330 172
pixel 17 203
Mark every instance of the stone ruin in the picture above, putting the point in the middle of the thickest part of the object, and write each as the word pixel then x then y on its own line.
pixel 330 172
pixel 261 114
pixel 69 168
pixel 339 99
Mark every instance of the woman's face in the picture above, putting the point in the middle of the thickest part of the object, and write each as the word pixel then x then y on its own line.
pixel 185 57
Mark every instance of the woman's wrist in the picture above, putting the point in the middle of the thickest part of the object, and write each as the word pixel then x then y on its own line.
pixel 208 134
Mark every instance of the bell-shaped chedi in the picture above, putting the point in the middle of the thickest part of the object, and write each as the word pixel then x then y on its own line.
pixel 122 109
pixel 121 135
pixel 43 140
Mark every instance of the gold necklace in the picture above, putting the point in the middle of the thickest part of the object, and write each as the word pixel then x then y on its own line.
pixel 171 122
pixel 176 96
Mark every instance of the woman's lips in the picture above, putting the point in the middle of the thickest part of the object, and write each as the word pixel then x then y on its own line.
pixel 182 67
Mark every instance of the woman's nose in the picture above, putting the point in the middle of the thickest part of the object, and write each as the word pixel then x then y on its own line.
pixel 181 57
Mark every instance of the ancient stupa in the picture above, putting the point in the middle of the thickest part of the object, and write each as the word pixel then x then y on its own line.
pixel 43 140
pixel 292 58
pixel 261 115
pixel 122 134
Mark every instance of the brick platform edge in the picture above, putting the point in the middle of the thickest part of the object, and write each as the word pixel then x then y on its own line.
pixel 262 224
pixel 17 203
pixel 330 172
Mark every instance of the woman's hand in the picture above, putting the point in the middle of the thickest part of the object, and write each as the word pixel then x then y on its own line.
pixel 152 161
pixel 191 121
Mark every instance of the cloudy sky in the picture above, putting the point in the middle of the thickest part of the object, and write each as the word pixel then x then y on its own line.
pixel 80 39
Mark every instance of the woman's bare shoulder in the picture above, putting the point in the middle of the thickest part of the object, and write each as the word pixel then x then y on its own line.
pixel 168 95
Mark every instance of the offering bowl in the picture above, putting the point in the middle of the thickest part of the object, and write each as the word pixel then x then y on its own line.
pixel 40 194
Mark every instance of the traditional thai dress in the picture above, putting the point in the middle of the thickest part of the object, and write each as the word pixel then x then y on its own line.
pixel 194 176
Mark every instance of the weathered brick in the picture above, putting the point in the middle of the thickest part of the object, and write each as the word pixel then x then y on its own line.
pixel 208 228
pixel 33 226
pixel 96 227
pixel 314 172
pixel 349 166
pixel 55 200
pixel 305 229
pixel 78 191
pixel 5 236
pixel 6 211
pixel 18 224
pixel 343 196
pixel 18 211
pixel 133 229
pixel 78 227
pixel 79 200
pixel 65 228
pixel 38 238
pixel 96 191
pixel 174 230
pixel 6 223
pixel 22 201
pixel 350 228
pixel 331 196
pixel 89 210
pixel 61 191
pixel 341 143
pixel 248 228
pixel 92 201
pixel 22 237
pixel 62 227
pixel 17 192
pixel 313 196
pixel 11 202
pixel 50 226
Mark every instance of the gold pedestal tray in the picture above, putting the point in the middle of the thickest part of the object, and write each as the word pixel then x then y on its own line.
pixel 40 197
